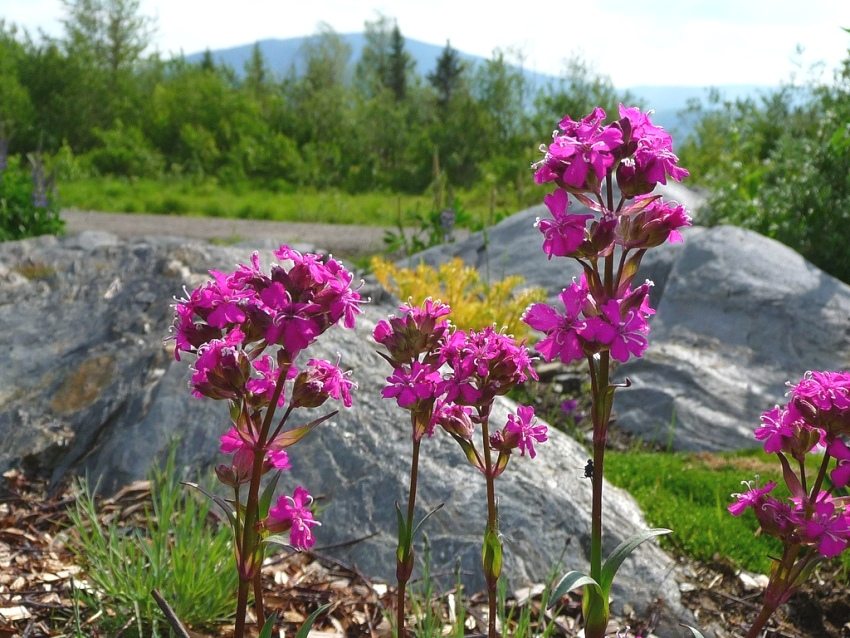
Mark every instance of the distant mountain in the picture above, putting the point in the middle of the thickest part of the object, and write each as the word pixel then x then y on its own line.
pixel 283 56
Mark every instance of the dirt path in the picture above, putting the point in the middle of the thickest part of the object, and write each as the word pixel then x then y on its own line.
pixel 341 239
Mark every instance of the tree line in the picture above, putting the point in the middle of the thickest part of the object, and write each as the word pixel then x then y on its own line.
pixel 375 123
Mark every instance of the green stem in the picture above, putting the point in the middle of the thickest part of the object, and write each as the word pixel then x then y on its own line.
pixel 601 412
pixel 250 540
pixel 492 520
pixel 403 570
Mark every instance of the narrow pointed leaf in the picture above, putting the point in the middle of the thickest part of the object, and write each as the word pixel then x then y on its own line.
pixel 268 628
pixel 501 463
pixel 278 539
pixel 291 437
pixel 613 562
pixel 592 204
pixel 639 205
pixel 304 630
pixel 630 269
pixel 696 632
pixel 491 555
pixel 222 504
pixel 425 518
pixel 469 450
pixel 267 495
pixel 404 539
pixel 790 477
pixel 572 580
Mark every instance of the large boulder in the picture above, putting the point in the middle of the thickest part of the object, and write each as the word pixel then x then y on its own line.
pixel 738 315
pixel 89 387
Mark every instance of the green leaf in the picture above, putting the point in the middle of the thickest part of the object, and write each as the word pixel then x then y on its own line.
pixel 571 580
pixel 404 537
pixel 469 450
pixel 266 631
pixel 222 504
pixel 267 495
pixel 291 437
pixel 696 632
pixel 305 628
pixel 278 539
pixel 425 518
pixel 790 477
pixel 491 555
pixel 613 562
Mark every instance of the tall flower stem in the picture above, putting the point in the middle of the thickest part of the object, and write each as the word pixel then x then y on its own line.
pixel 600 376
pixel 249 541
pixel 404 557
pixel 492 530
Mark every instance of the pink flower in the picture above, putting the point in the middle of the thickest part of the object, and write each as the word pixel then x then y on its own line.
pixel 454 419
pixel 563 331
pixel 581 155
pixel 241 446
pixel 753 497
pixel 564 233
pixel 840 476
pixel 221 369
pixel 263 387
pixel 318 381
pixel 523 429
pixel 625 334
pixel 418 331
pixel 412 384
pixel 828 527
pixel 293 513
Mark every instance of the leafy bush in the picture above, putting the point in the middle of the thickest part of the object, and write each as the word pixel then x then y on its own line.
pixel 475 303
pixel 124 150
pixel 780 166
pixel 124 564
pixel 26 209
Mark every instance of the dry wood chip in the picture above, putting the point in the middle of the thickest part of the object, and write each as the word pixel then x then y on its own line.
pixel 12 614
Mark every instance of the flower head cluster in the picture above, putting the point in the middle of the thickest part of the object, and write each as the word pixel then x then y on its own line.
pixel 587 325
pixel 246 329
pixel 449 378
pixel 815 419
pixel 581 153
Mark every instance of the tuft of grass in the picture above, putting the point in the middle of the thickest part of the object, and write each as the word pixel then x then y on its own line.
pixel 175 550
pixel 689 493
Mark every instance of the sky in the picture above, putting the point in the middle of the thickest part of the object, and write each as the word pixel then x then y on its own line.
pixel 651 42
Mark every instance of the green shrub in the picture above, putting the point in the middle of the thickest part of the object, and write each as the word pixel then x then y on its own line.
pixel 19 215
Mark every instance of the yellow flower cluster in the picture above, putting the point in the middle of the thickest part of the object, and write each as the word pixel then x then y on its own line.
pixel 475 303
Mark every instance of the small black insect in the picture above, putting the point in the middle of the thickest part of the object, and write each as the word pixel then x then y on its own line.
pixel 588 469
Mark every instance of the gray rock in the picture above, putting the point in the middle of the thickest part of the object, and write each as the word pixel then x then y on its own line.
pixel 90 387
pixel 738 316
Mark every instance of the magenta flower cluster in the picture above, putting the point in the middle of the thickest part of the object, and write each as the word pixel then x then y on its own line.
pixel 246 329
pixel 604 314
pixel 449 377
pixel 815 421
pixel 583 152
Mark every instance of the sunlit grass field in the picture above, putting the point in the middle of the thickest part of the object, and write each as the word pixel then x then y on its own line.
pixel 689 493
pixel 177 196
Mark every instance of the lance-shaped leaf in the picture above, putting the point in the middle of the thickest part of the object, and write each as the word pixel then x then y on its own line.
pixel 291 437
pixel 790 477
pixel 491 555
pixel 304 630
pixel 279 539
pixel 267 495
pixel 571 580
pixel 630 269
pixel 696 632
pixel 613 562
pixel 222 504
pixel 639 205
pixel 425 518
pixel 501 463
pixel 469 450
pixel 405 536
pixel 268 628
pixel 592 204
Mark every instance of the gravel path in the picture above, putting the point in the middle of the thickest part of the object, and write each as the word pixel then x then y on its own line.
pixel 344 240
